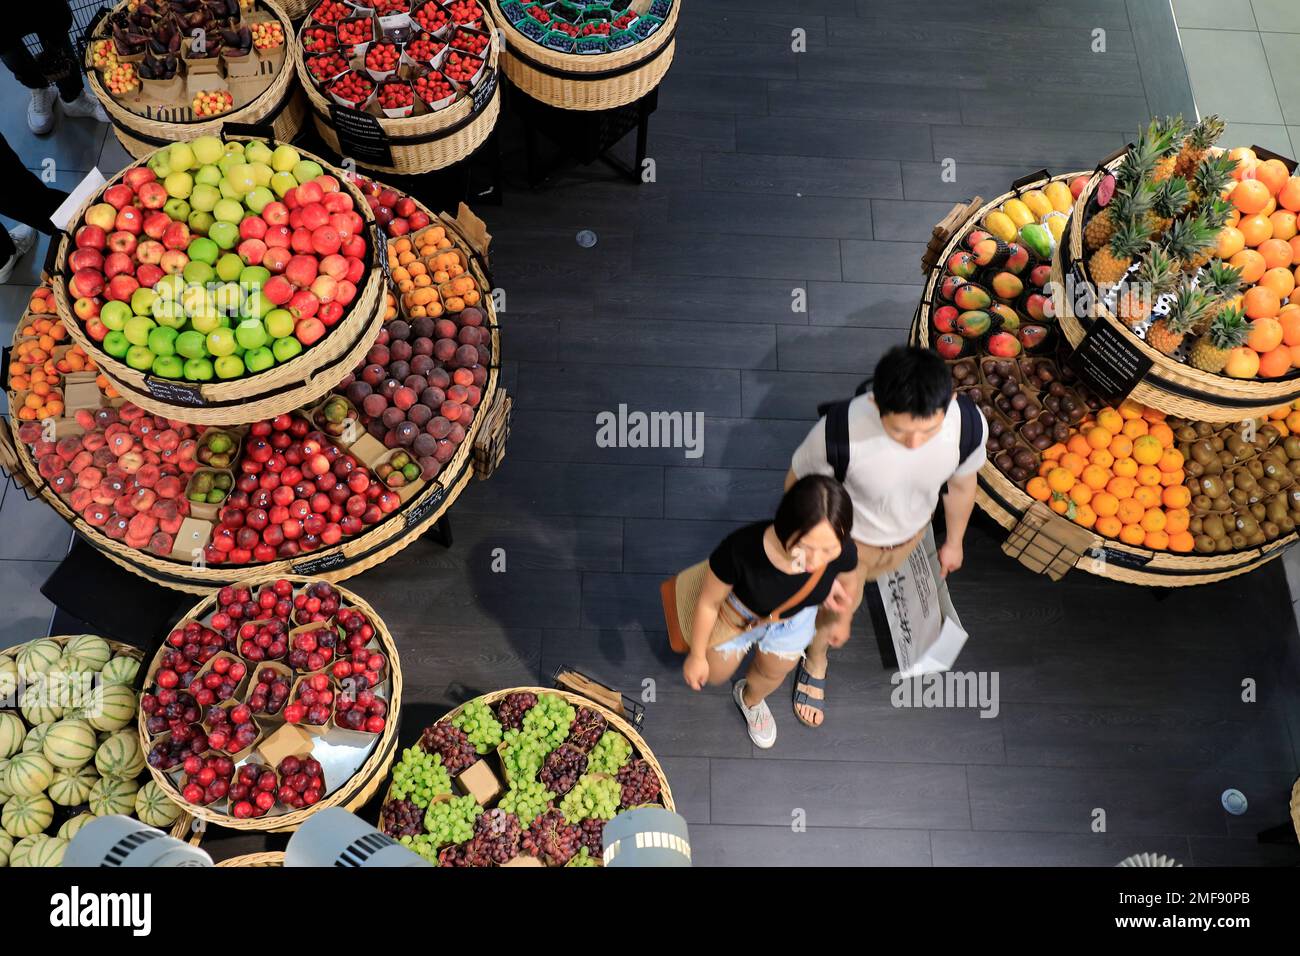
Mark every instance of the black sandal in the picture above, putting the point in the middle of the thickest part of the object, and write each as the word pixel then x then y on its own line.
pixel 801 699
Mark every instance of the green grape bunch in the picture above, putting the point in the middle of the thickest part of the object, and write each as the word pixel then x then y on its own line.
pixel 582 858
pixel 422 844
pixel 419 777
pixel 609 754
pixel 451 821
pixel 526 800
pixel 550 720
pixel 523 756
pixel 479 724
pixel 592 798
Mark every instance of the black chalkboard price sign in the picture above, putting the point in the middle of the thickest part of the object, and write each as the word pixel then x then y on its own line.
pixel 1108 362
pixel 174 392
pixel 360 136
pixel 326 562
pixel 483 92
pixel 419 512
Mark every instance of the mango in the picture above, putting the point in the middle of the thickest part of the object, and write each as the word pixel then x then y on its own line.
pixel 1037 202
pixel 1037 240
pixel 1000 225
pixel 970 296
pixel 1007 286
pixel 1018 212
pixel 1058 194
pixel 1009 316
pixel 974 323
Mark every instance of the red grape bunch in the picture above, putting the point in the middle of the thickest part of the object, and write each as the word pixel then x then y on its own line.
pixel 552 839
pixel 563 766
pixel 402 818
pixel 496 839
pixel 588 726
pixel 511 709
pixel 457 752
pixel 640 783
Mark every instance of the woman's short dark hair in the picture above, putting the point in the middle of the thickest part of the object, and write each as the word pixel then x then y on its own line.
pixel 810 501
pixel 911 381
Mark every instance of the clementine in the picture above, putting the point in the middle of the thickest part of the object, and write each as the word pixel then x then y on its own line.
pixel 1176 496
pixel 1098 437
pixel 1147 449
pixel 1177 519
pixel 1104 503
pixel 1121 487
pixel 1136 427
pixel 1053 452
pixel 1125 467
pixel 1256 229
pixel 1171 460
pixel 1182 542
pixel 1060 505
pixel 1102 458
pixel 1109 526
pixel 1078 445
pixel 1060 480
pixel 1121 446
pixel 1147 496
pixel 1110 420
pixel 1038 488
pixel 1073 463
pixel 1262 302
pixel 1148 475
pixel 1085 516
pixel 1081 494
pixel 1155 540
pixel 1162 433
pixel 1251 264
pixel 1132 534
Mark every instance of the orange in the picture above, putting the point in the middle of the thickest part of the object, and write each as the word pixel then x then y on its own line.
pixel 1275 363
pixel 1177 496
pixel 1081 494
pixel 1262 302
pixel 1276 253
pixel 1246 161
pixel 1053 452
pixel 1171 460
pixel 1085 516
pixel 1102 458
pixel 1280 280
pixel 1147 450
pixel 1073 463
pixel 1170 478
pixel 1110 420
pixel 1154 520
pixel 1125 467
pixel 1234 214
pixel 1290 319
pixel 1104 503
pixel 1265 333
pixel 1132 534
pixel 1162 433
pixel 1250 196
pixel 1136 427
pixel 1109 526
pixel 1155 540
pixel 1121 487
pixel 1131 409
pixel 1182 542
pixel 1289 196
pixel 1148 475
pixel 1284 224
pixel 1231 242
pixel 1095 477
pixel 1256 229
pixel 1293 421
pixel 1294 243
pixel 1273 174
pixel 1060 505
pixel 1147 496
pixel 1060 480
pixel 1098 437
pixel 1121 446
pixel 1251 264
pixel 1078 445
pixel 1177 519
pixel 1045 468
pixel 1038 489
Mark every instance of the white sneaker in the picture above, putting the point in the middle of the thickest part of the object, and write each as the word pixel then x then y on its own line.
pixel 40 111
pixel 24 238
pixel 85 105
pixel 762 726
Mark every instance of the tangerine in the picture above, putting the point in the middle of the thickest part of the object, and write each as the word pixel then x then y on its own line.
pixel 1155 540
pixel 1085 516
pixel 1098 437
pixel 1096 477
pixel 1121 487
pixel 1290 319
pixel 1102 458
pixel 1262 302
pixel 1170 478
pixel 1060 479
pixel 1121 446
pixel 1038 488
pixel 1147 496
pixel 1108 526
pixel 1110 420
pixel 1132 534
pixel 1251 264
pixel 1135 428
pixel 1053 452
pixel 1176 496
pixel 1147 450
pixel 1060 505
pixel 1081 494
pixel 1073 463
pixel 1078 445
pixel 1131 409
pixel 1171 460
pixel 1256 229
pixel 1177 519
pixel 1125 467
pixel 1250 196
pixel 1104 503
pixel 1182 542
pixel 1154 520
pixel 1148 475
pixel 1162 433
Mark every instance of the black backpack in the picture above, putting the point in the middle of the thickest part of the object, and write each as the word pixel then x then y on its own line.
pixel 837 430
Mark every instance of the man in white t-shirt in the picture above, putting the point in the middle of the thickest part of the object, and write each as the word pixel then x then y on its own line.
pixel 904 444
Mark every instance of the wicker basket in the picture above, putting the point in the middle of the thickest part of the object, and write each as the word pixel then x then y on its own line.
pixel 182 823
pixel 255 859
pixel 639 746
pixel 418 144
pixel 281 388
pixel 1170 385
pixel 297 9
pixel 597 81
pixel 280 107
pixel 363 785
pixel 1006 502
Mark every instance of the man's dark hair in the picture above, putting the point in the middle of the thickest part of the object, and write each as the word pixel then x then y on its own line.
pixel 810 501
pixel 911 381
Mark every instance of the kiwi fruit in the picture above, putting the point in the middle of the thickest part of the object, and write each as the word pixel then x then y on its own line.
pixel 1256 468
pixel 1202 452
pixel 1201 504
pixel 1196 524
pixel 1213 526
pixel 1291 445
pixel 1239 539
pixel 1212 486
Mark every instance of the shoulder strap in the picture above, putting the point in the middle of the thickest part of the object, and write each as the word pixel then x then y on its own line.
pixel 837 438
pixel 799 595
pixel 971 430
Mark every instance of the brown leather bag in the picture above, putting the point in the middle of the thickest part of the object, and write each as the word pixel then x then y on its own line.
pixel 681 594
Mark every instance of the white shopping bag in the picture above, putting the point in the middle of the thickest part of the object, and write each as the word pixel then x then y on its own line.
pixel 924 625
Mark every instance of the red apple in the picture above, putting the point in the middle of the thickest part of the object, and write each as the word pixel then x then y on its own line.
pixel 85 259
pixel 177 236
pixel 156 223
pixel 309 331
pixel 252 251
pixel 86 309
pixel 174 261
pixel 253 227
pixel 152 195
pixel 119 195
pixel 91 237
pixel 277 258
pixel 86 284
pixel 121 288
pixel 122 241
pixel 278 290
pixel 304 304
pixel 117 263
pixel 301 271
pixel 151 251
pixel 129 219
pixel 148 274
pixel 137 176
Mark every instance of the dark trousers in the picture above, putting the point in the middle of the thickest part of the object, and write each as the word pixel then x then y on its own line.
pixel 25 198
pixel 50 20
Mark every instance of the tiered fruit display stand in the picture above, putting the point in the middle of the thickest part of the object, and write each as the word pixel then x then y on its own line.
pixel 1013 353
pixel 411 390
pixel 68 752
pixel 524 776
pixel 130 49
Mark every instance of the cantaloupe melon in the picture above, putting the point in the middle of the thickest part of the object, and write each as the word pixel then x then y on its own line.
pixel 111 707
pixel 36 737
pixel 23 848
pixel 89 648
pixel 29 774
pixel 5 792
pixel 70 744
pixel 153 807
pixel 6 847
pixel 112 795
pixel 121 670
pixel 48 852
pixel 12 733
pixel 23 816
pixel 120 755
pixel 72 787
pixel 37 705
pixel 36 657
pixel 70 827
pixel 8 680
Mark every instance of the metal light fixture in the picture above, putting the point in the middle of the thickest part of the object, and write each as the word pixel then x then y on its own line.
pixel 647 836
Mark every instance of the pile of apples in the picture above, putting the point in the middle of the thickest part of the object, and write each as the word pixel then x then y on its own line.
pixel 396 213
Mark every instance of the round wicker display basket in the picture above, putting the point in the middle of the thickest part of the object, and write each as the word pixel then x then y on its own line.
pixel 358 789
pixel 281 388
pixel 297 9
pixel 595 81
pixel 182 824
pixel 639 747
pixel 280 107
pixel 1170 385
pixel 255 859
pixel 424 143
pixel 1006 502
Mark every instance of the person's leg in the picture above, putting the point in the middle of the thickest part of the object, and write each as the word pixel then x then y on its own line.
pixel 40 107
pixel 723 664
pixel 61 59
pixel 766 673
pixel 816 661
pixel 25 197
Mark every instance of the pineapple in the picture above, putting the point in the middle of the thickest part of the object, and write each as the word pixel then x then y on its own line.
pixel 1198 142
pixel 1194 240
pixel 1156 275
pixel 1139 163
pixel 1110 263
pixel 1212 177
pixel 1220 282
pixel 1227 332
pixel 1166 334
pixel 1125 204
pixel 1170 132
pixel 1171 198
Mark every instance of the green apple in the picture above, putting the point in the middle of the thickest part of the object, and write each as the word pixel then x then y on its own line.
pixel 142 301
pixel 257 360
pixel 204 250
pixel 221 341
pixel 262 174
pixel 228 191
pixel 196 298
pixel 115 344
pixel 282 182
pixel 198 370
pixel 228 210
pixel 170 287
pixel 285 348
pixel 229 366
pixel 114 315
pixel 162 340
pixel 306 169
pixel 284 159
pixel 279 323
pixel 224 234
pixel 241 178
pixel 138 328
pixel 198 273
pixel 179 185
pixel 177 208
pixel 168 366
pixel 160 163
pixel 256 306
pixel 234 146
pixel 192 344
pixel 229 266
pixel 257 152
pixel 200 222
pixel 251 334
pixel 229 298
pixel 139 357
pixel 182 157
pixel 253 277
pixel 207 176
pixel 259 198
pixel 206 320
pixel 207 149
pixel 169 313
pixel 205 197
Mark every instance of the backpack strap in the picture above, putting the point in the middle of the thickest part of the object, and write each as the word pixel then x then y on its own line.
pixel 971 428
pixel 837 438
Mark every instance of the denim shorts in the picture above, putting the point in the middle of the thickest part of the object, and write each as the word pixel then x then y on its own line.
pixel 787 639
